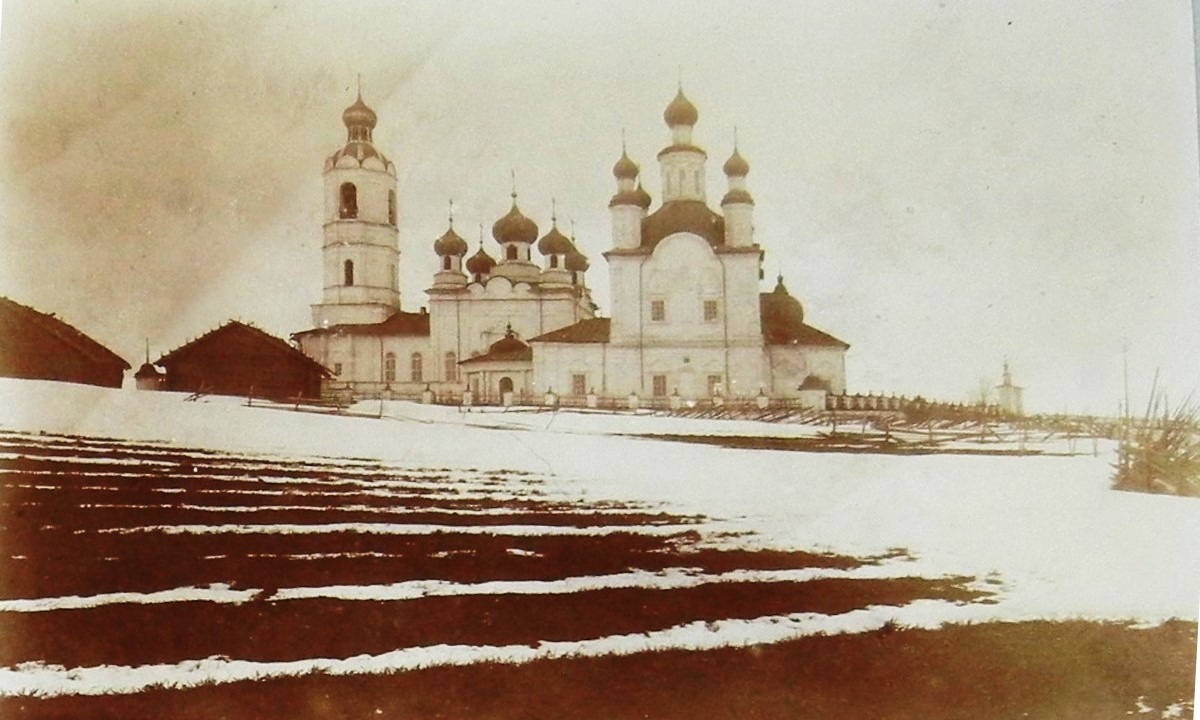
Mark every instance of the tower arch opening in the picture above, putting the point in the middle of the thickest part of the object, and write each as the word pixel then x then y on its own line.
pixel 348 209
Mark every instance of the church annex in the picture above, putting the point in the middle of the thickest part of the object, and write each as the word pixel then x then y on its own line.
pixel 688 318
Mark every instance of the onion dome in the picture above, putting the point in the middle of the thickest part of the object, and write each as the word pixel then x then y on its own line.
pixel 359 115
pixel 625 169
pixel 577 261
pixel 450 244
pixel 642 197
pixel 554 243
pixel 736 165
pixel 782 316
pixel 514 227
pixel 681 111
pixel 480 263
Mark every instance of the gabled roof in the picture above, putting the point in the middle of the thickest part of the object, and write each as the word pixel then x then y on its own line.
pixel 14 315
pixel 399 323
pixel 783 321
pixel 807 335
pixel 240 328
pixel 592 330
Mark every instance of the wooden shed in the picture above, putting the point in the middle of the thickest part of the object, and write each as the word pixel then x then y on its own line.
pixel 240 359
pixel 39 346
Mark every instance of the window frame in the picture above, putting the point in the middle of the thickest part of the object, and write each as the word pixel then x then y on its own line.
pixel 417 367
pixel 658 310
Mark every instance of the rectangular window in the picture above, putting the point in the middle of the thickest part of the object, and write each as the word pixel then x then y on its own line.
pixel 710 310
pixel 578 384
pixel 337 368
pixel 660 385
pixel 715 386
pixel 658 310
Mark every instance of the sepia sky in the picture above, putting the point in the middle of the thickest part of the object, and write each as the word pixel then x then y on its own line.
pixel 943 184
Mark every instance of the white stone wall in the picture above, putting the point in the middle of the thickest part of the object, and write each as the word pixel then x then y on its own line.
pixel 370 241
pixel 788 365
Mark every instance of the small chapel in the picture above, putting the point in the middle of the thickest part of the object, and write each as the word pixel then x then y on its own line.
pixel 688 318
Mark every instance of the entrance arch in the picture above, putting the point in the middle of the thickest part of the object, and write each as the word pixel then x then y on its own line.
pixel 506 384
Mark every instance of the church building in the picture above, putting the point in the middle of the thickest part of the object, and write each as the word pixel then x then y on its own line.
pixel 688 318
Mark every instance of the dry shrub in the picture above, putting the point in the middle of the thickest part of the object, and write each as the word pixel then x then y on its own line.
pixel 1161 452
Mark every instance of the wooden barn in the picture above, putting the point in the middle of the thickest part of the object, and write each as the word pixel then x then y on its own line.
pixel 239 359
pixel 39 346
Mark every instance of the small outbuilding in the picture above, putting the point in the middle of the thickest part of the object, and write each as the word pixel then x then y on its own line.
pixel 39 346
pixel 240 359
pixel 503 372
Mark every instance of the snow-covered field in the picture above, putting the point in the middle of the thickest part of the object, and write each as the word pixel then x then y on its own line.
pixel 1063 543
pixel 1046 535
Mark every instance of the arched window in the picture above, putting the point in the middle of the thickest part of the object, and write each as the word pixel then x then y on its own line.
pixel 553 261
pixel 391 207
pixel 348 273
pixel 451 367
pixel 417 371
pixel 389 368
pixel 447 263
pixel 510 252
pixel 349 206
pixel 506 384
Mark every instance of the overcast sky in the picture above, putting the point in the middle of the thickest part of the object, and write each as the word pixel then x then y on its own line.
pixel 943 184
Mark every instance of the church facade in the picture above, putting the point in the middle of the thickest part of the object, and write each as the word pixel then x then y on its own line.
pixel 688 319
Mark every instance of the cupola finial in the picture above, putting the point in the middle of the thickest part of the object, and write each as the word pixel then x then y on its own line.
pixel 451 213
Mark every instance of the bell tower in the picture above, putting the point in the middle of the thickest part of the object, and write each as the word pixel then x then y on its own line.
pixel 361 249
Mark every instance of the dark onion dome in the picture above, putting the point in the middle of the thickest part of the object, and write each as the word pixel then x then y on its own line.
pixel 554 243
pixel 577 261
pixel 359 115
pixel 736 165
pixel 515 227
pixel 625 169
pixel 690 216
pixel 782 315
pixel 509 344
pixel 480 263
pixel 737 196
pixel 643 197
pixel 450 244
pixel 681 111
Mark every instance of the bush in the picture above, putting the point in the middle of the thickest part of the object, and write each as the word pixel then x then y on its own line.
pixel 1161 452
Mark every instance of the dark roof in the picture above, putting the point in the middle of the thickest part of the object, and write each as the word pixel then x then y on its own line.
pixel 241 328
pixel 399 323
pixel 592 330
pixel 691 216
pixel 783 321
pixel 509 348
pixel 24 330
pixel 812 382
